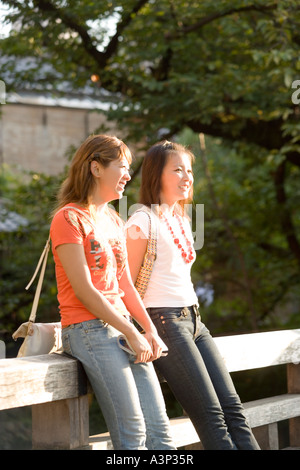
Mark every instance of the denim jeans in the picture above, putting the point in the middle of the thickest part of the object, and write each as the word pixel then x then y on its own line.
pixel 196 373
pixel 128 394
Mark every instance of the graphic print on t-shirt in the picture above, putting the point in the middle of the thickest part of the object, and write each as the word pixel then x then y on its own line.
pixel 96 250
pixel 105 259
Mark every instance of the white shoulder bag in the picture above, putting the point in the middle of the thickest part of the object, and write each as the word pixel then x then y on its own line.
pixel 40 338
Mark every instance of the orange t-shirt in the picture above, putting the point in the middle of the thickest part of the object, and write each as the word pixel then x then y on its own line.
pixel 106 260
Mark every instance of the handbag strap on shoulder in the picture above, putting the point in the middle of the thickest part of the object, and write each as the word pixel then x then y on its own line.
pixel 145 271
pixel 41 264
pixel 151 251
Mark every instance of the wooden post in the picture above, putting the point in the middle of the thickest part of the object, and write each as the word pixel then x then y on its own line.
pixel 62 424
pixel 267 436
pixel 293 379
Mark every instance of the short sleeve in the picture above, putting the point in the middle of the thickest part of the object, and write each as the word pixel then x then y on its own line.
pixel 66 227
pixel 141 220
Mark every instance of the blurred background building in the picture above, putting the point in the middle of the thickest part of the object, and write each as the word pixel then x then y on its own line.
pixel 37 129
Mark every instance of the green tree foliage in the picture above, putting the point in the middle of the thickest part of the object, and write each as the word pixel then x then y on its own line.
pixel 223 69
pixel 31 196
pixel 245 255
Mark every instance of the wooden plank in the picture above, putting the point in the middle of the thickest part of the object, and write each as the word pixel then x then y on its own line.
pixel 255 350
pixel 33 380
pixel 273 409
pixel 58 380
pixel 182 430
pixel 99 442
pixel 259 413
pixel 40 379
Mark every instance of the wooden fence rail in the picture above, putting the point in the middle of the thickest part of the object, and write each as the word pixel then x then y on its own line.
pixel 55 386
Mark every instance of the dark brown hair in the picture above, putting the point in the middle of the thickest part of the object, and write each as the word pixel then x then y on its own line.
pixel 79 183
pixel 152 168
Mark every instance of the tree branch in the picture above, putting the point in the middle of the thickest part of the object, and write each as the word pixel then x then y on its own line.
pixel 266 134
pixel 69 20
pixel 101 58
pixel 215 16
pixel 126 20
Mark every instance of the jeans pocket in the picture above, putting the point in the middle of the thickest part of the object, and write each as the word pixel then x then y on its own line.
pixel 165 319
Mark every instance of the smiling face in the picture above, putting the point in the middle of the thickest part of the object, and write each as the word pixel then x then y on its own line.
pixel 110 180
pixel 176 179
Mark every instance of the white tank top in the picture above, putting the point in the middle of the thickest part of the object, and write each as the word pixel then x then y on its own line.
pixel 170 283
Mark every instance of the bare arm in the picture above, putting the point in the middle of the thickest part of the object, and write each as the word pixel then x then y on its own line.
pixel 73 260
pixel 136 248
pixel 135 306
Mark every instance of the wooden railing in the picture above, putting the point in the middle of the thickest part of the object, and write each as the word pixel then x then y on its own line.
pixel 56 387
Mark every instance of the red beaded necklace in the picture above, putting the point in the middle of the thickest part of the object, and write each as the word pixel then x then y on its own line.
pixel 188 255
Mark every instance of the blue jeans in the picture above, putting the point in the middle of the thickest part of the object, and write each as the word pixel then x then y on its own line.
pixel 196 373
pixel 128 394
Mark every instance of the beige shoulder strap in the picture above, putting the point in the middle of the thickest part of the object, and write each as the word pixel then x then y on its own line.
pixel 42 262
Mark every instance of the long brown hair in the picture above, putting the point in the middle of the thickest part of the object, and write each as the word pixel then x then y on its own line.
pixel 79 183
pixel 152 168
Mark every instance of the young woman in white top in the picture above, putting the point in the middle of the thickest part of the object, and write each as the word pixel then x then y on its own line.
pixel 193 367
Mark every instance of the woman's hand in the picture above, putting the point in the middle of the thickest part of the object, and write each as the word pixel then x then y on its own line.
pixel 155 343
pixel 141 346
